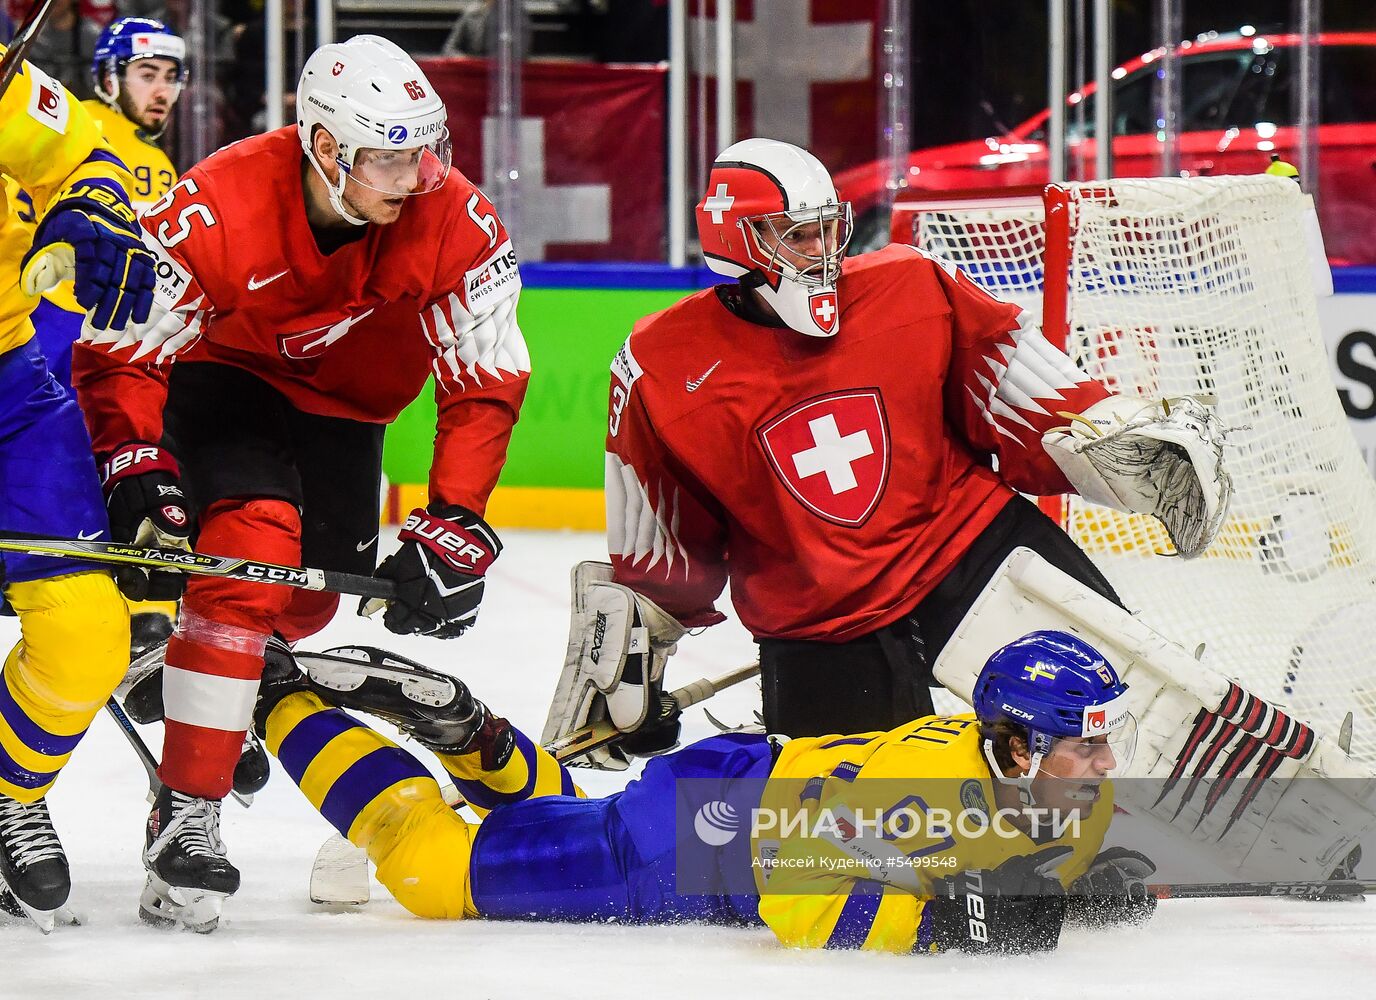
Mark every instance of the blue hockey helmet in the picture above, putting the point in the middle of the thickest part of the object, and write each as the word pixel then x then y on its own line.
pixel 128 40
pixel 1054 685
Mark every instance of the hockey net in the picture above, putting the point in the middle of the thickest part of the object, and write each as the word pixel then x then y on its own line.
pixel 1167 287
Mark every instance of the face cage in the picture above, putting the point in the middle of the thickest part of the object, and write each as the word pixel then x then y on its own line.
pixel 430 173
pixel 820 270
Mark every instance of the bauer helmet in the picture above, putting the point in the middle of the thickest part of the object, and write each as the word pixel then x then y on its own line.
pixel 771 217
pixel 370 95
pixel 1053 685
pixel 128 40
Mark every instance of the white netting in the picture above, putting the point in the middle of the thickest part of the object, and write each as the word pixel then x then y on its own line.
pixel 1203 285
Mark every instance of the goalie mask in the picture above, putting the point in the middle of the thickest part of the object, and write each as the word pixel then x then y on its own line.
pixel 1069 701
pixel 771 217
pixel 381 110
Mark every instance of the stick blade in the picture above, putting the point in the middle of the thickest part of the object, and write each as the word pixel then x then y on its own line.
pixel 339 876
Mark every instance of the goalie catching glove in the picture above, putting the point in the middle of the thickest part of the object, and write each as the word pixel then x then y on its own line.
pixel 1163 458
pixel 445 551
pixel 90 233
pixel 619 642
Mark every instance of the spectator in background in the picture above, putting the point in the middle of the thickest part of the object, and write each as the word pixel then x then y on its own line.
pixel 475 32
pixel 65 46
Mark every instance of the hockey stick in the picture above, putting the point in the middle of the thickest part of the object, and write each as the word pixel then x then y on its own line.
pixel 228 567
pixel 339 876
pixel 150 763
pixel 1334 889
pixel 583 741
pixel 20 44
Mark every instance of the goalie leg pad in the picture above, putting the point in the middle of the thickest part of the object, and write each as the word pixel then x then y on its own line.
pixel 618 645
pixel 1224 762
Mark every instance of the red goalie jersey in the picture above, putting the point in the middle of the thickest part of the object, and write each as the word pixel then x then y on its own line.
pixel 836 480
pixel 353 334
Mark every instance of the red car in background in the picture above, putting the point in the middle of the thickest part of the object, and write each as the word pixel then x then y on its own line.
pixel 1236 111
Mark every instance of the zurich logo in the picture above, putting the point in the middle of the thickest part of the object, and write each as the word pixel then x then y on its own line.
pixel 397 133
pixel 716 824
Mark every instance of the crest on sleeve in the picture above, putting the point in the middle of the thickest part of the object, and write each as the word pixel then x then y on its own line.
pixel 47 102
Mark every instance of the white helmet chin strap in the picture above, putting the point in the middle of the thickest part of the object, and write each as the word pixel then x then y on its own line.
pixel 1023 783
pixel 336 192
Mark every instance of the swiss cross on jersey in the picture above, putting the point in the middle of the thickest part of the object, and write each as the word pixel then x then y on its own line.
pixel 832 452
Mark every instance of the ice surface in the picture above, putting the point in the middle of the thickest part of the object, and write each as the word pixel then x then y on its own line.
pixel 273 942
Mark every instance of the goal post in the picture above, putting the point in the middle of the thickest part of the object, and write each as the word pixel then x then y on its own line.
pixel 1168 287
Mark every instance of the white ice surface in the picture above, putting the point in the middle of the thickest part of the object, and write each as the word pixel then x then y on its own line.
pixel 273 942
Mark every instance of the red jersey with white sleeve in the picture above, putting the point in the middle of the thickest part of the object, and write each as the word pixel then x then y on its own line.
pixel 835 481
pixel 354 333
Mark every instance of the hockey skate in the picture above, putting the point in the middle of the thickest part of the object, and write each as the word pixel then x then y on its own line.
pixel 433 707
pixel 34 878
pixel 189 875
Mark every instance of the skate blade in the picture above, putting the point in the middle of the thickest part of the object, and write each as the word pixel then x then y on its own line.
pixel 168 906
pixel 338 671
pixel 339 876
pixel 45 920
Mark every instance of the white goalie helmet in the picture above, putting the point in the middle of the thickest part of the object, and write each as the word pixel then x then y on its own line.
pixel 381 110
pixel 771 216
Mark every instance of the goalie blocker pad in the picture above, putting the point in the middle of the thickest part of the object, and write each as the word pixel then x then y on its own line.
pixel 1223 763
pixel 619 642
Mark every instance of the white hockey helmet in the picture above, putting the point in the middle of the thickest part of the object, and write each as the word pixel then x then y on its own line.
pixel 771 217
pixel 371 96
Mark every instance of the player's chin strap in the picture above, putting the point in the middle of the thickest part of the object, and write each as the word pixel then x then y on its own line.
pixel 336 191
pixel 1023 782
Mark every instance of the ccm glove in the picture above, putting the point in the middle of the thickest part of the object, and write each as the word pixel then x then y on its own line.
pixel 90 233
pixel 1015 908
pixel 143 493
pixel 1113 890
pixel 445 550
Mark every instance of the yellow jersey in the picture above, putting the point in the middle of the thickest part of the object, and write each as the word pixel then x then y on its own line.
pixel 153 176
pixel 48 143
pixel 854 833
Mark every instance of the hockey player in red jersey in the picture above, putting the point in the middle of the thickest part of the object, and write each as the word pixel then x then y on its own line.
pixel 305 299
pixel 844 440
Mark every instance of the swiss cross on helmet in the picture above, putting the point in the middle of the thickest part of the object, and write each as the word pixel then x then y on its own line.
pixel 385 117
pixel 771 217
pixel 1054 686
pixel 128 40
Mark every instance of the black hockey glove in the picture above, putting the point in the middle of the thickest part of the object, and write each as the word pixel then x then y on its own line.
pixel 1113 890
pixel 1015 908
pixel 90 233
pixel 143 493
pixel 445 550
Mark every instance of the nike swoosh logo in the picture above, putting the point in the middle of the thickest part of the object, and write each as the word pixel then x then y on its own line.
pixel 254 284
pixel 692 384
pixel 363 545
pixel 88 538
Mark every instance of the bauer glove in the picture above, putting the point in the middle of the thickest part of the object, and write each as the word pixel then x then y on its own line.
pixel 143 494
pixel 1015 908
pixel 90 233
pixel 1113 890
pixel 438 571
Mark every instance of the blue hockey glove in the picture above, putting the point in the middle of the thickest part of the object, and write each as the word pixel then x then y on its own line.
pixel 90 233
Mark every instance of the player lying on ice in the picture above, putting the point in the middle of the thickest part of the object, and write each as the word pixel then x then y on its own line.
pixel 545 852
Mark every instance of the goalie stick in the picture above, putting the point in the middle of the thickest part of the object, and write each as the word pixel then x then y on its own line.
pixel 20 44
pixel 339 876
pixel 229 567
